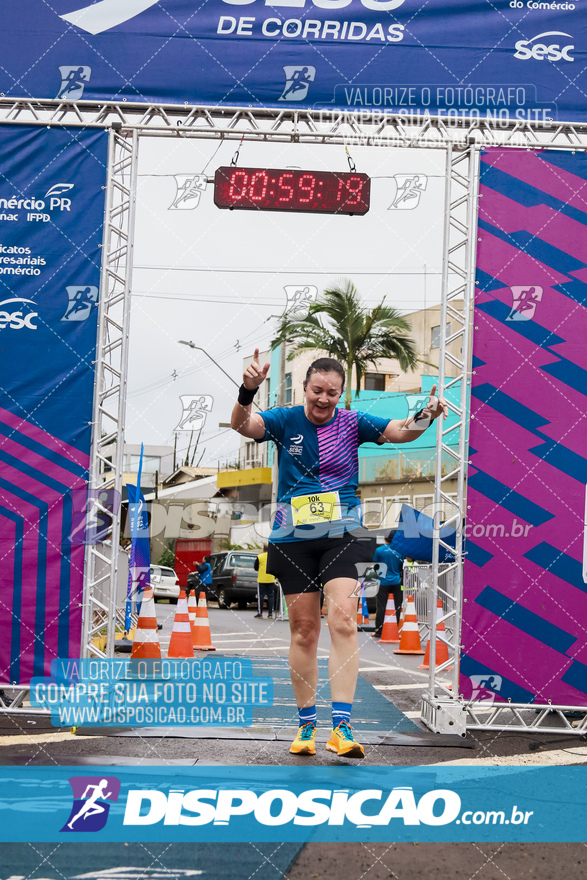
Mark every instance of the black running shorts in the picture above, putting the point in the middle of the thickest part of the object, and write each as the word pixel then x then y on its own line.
pixel 305 566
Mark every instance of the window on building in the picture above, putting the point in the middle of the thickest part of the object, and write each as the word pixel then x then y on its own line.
pixel 374 381
pixel 151 463
pixel 287 388
pixel 392 509
pixel 435 343
pixel 425 503
pixel 252 455
pixel 372 512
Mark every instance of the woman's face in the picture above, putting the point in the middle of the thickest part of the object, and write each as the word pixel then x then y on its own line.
pixel 323 391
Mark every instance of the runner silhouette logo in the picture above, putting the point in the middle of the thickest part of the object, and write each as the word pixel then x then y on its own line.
pixel 297 82
pixel 91 796
pixel 74 79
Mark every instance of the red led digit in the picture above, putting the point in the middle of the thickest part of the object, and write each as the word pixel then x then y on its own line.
pixel 281 189
pixel 233 194
pixel 306 188
pixel 256 192
pixel 282 185
pixel 354 187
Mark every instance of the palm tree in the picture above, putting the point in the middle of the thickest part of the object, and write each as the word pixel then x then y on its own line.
pixel 356 336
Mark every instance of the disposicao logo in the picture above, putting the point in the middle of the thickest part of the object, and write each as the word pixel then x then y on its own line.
pixel 90 802
pixel 281 807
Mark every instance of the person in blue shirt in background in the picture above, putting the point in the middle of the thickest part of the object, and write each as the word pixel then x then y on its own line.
pixel 205 571
pixel 390 582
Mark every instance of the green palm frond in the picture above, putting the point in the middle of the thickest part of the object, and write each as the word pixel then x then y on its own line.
pixel 339 324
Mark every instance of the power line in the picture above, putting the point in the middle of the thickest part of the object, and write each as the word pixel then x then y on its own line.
pixel 291 271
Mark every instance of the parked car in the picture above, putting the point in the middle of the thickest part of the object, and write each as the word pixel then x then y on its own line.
pixel 165 582
pixel 193 582
pixel 234 578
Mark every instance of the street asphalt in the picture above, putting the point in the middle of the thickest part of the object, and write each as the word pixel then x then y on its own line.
pixel 397 678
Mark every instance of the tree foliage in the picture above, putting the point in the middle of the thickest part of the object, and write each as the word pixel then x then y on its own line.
pixel 358 337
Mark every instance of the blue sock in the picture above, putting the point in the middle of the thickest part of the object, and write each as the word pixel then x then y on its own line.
pixel 341 712
pixel 307 714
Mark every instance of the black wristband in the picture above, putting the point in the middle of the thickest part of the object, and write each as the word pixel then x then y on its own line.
pixel 421 415
pixel 246 396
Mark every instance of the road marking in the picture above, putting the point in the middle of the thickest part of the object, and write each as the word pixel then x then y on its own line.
pixel 245 632
pixel 574 755
pixel 253 638
pixel 398 687
pixel 395 667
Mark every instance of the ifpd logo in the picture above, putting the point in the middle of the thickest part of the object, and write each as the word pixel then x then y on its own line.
pixel 297 82
pixel 91 795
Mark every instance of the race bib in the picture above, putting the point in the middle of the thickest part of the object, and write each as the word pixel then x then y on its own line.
pixel 309 509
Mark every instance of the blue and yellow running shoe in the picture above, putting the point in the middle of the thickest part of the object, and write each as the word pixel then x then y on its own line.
pixel 304 743
pixel 343 742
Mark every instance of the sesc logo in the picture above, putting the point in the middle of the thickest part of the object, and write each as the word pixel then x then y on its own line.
pixel 17 319
pixel 527 49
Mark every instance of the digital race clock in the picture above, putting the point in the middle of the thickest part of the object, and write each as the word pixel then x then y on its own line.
pixel 288 189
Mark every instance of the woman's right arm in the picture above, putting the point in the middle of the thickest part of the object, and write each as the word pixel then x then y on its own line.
pixel 243 419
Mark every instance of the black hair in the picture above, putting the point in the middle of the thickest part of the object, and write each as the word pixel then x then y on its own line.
pixel 325 365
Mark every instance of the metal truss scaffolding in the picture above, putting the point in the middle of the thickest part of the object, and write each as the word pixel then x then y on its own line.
pixel 441 710
pixel 106 463
pixel 461 139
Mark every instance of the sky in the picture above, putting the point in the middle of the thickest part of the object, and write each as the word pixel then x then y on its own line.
pixel 216 277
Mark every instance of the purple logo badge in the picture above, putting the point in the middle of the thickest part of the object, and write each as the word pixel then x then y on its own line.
pixel 90 802
pixel 524 302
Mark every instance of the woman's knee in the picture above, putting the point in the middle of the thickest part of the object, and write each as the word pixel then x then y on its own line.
pixel 342 624
pixel 305 631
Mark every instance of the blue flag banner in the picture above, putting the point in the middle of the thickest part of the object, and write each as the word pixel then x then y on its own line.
pixel 140 552
pixel 518 59
pixel 288 804
pixel 52 187
pixel 414 535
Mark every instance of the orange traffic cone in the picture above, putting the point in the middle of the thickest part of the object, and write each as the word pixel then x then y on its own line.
pixel 389 633
pixel 409 642
pixel 146 641
pixel 359 614
pixel 192 610
pixel 202 640
pixel 180 644
pixel 441 646
pixel 402 614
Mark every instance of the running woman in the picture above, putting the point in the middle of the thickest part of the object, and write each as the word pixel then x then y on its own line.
pixel 317 537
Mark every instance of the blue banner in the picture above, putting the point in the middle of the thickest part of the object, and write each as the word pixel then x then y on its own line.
pixel 52 186
pixel 140 549
pixel 289 804
pixel 498 58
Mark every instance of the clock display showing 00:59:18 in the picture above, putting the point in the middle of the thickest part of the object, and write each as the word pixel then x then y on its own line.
pixel 287 189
